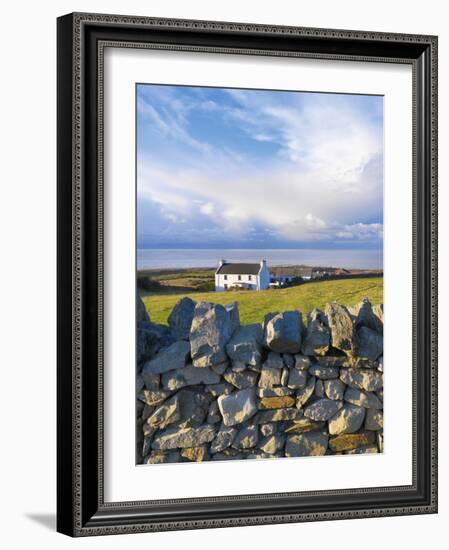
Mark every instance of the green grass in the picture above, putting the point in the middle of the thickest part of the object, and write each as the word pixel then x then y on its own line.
pixel 254 305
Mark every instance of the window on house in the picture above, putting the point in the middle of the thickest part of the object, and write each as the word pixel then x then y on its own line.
pixel 226 286
pixel 249 278
pixel 225 277
pixel 240 277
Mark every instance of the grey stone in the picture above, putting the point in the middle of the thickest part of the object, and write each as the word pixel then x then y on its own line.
pixel 172 358
pixel 297 379
pixel 180 318
pixel 195 454
pixel 362 379
pixel 323 409
pixel 148 341
pixel 151 381
pixel 175 438
pixel 245 346
pixel 307 444
pixel 284 376
pixel 267 318
pixel 189 376
pixel 319 388
pixel 219 369
pixel 364 449
pixel 168 413
pixel 374 419
pixel 274 392
pixel 216 390
pixel 334 389
pixel 302 425
pixel 325 373
pixel 347 420
pixel 141 310
pixel 241 380
pixel 317 339
pixel 140 384
pixel 306 393
pixel 363 399
pixel 246 438
pixel 274 360
pixel 158 457
pixel 153 398
pixel 289 360
pixel 302 362
pixel 365 316
pixel 378 311
pixel 238 406
pixel 212 328
pixel 277 415
pixel 223 439
pixel 213 415
pixel 347 442
pixel 341 325
pixel 270 377
pixel 238 366
pixel 194 406
pixel 267 429
pixel 233 311
pixel 272 443
pixel 283 333
pixel 371 344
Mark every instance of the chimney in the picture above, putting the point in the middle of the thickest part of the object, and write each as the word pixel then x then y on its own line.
pixel 221 262
pixel 263 263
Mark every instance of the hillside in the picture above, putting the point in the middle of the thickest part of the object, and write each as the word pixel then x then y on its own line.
pixel 253 305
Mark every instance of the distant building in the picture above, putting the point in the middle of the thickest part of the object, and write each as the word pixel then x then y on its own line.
pixel 281 276
pixel 242 275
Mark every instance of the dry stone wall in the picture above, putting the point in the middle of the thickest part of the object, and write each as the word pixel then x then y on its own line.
pixel 209 388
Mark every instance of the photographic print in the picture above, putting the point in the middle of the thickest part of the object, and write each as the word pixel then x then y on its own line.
pixel 259 275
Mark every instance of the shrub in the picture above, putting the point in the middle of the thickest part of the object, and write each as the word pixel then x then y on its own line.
pixel 146 283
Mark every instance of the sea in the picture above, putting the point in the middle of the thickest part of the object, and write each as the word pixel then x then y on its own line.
pixel 187 258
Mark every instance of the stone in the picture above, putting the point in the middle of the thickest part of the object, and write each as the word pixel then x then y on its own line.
pixel 246 438
pixel 270 377
pixel 317 338
pixel 297 379
pixel 289 360
pixel 245 345
pixel 141 311
pixel 223 388
pixel 319 388
pixel 189 376
pixel 140 384
pixel 302 362
pixel 277 415
pixel 346 442
pixel 274 360
pixel 213 414
pixel 158 457
pixel 325 373
pixel 378 311
pixel 229 454
pixel 151 381
pixel 276 402
pixel 168 413
pixel 267 429
pixel 364 449
pixel 304 424
pixel 153 398
pixel 194 407
pixel 323 409
pixel 267 318
pixel 212 328
pixel 175 438
pixel 284 376
pixel 241 380
pixel 334 389
pixel 272 443
pixel 283 333
pixel 363 399
pixel 341 325
pixel 370 344
pixel 195 454
pixel 219 369
pixel 306 444
pixel 365 316
pixel 274 392
pixel 374 420
pixel 238 366
pixel 147 411
pixel 148 341
pixel 306 393
pixel 233 312
pixel 334 361
pixel 362 379
pixel 172 358
pixel 181 317
pixel 347 420
pixel 223 439
pixel 238 406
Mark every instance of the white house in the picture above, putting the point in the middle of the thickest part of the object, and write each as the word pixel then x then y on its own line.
pixel 248 276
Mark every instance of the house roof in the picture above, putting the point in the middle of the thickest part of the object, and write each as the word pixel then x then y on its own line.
pixel 239 269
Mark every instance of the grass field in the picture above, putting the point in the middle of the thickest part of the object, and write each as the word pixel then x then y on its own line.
pixel 254 305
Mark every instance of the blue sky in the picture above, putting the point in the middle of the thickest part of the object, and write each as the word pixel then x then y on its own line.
pixel 231 168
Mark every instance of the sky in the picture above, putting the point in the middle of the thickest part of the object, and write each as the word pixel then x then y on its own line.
pixel 233 168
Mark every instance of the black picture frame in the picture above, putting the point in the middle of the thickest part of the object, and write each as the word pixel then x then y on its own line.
pixel 81 510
